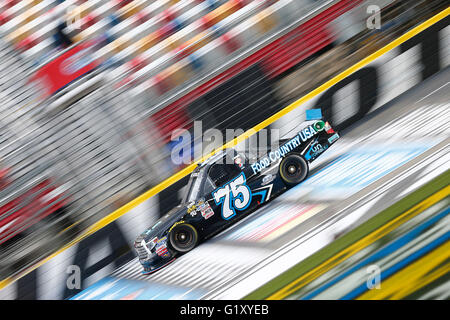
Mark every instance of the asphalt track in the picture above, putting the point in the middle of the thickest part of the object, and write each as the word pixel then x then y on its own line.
pixel 384 157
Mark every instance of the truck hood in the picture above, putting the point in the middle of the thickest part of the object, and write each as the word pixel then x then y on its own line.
pixel 164 223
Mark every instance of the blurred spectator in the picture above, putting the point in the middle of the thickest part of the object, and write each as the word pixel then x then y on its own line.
pixel 61 36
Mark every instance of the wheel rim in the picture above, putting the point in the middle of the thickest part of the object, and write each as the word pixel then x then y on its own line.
pixel 183 239
pixel 293 170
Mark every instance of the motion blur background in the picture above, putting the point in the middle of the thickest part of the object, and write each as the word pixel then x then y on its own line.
pixel 91 92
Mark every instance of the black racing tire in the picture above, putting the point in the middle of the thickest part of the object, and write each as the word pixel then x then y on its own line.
pixel 183 237
pixel 293 169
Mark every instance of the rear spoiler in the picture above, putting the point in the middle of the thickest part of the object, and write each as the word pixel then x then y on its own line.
pixel 316 114
pixel 313 114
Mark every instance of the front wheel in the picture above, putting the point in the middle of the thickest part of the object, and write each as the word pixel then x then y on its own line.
pixel 293 169
pixel 183 237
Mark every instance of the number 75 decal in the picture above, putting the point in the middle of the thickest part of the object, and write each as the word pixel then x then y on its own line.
pixel 235 195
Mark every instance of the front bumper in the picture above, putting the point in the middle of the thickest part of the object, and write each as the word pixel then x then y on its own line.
pixel 150 268
pixel 155 258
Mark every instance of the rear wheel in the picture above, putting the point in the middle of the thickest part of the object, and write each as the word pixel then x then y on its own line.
pixel 293 169
pixel 183 237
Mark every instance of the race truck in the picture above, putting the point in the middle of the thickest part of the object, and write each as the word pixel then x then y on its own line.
pixel 227 187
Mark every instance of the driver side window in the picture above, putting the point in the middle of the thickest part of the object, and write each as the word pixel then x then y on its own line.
pixel 222 173
pixel 208 186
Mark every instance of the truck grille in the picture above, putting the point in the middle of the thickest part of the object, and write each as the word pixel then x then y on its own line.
pixel 140 249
